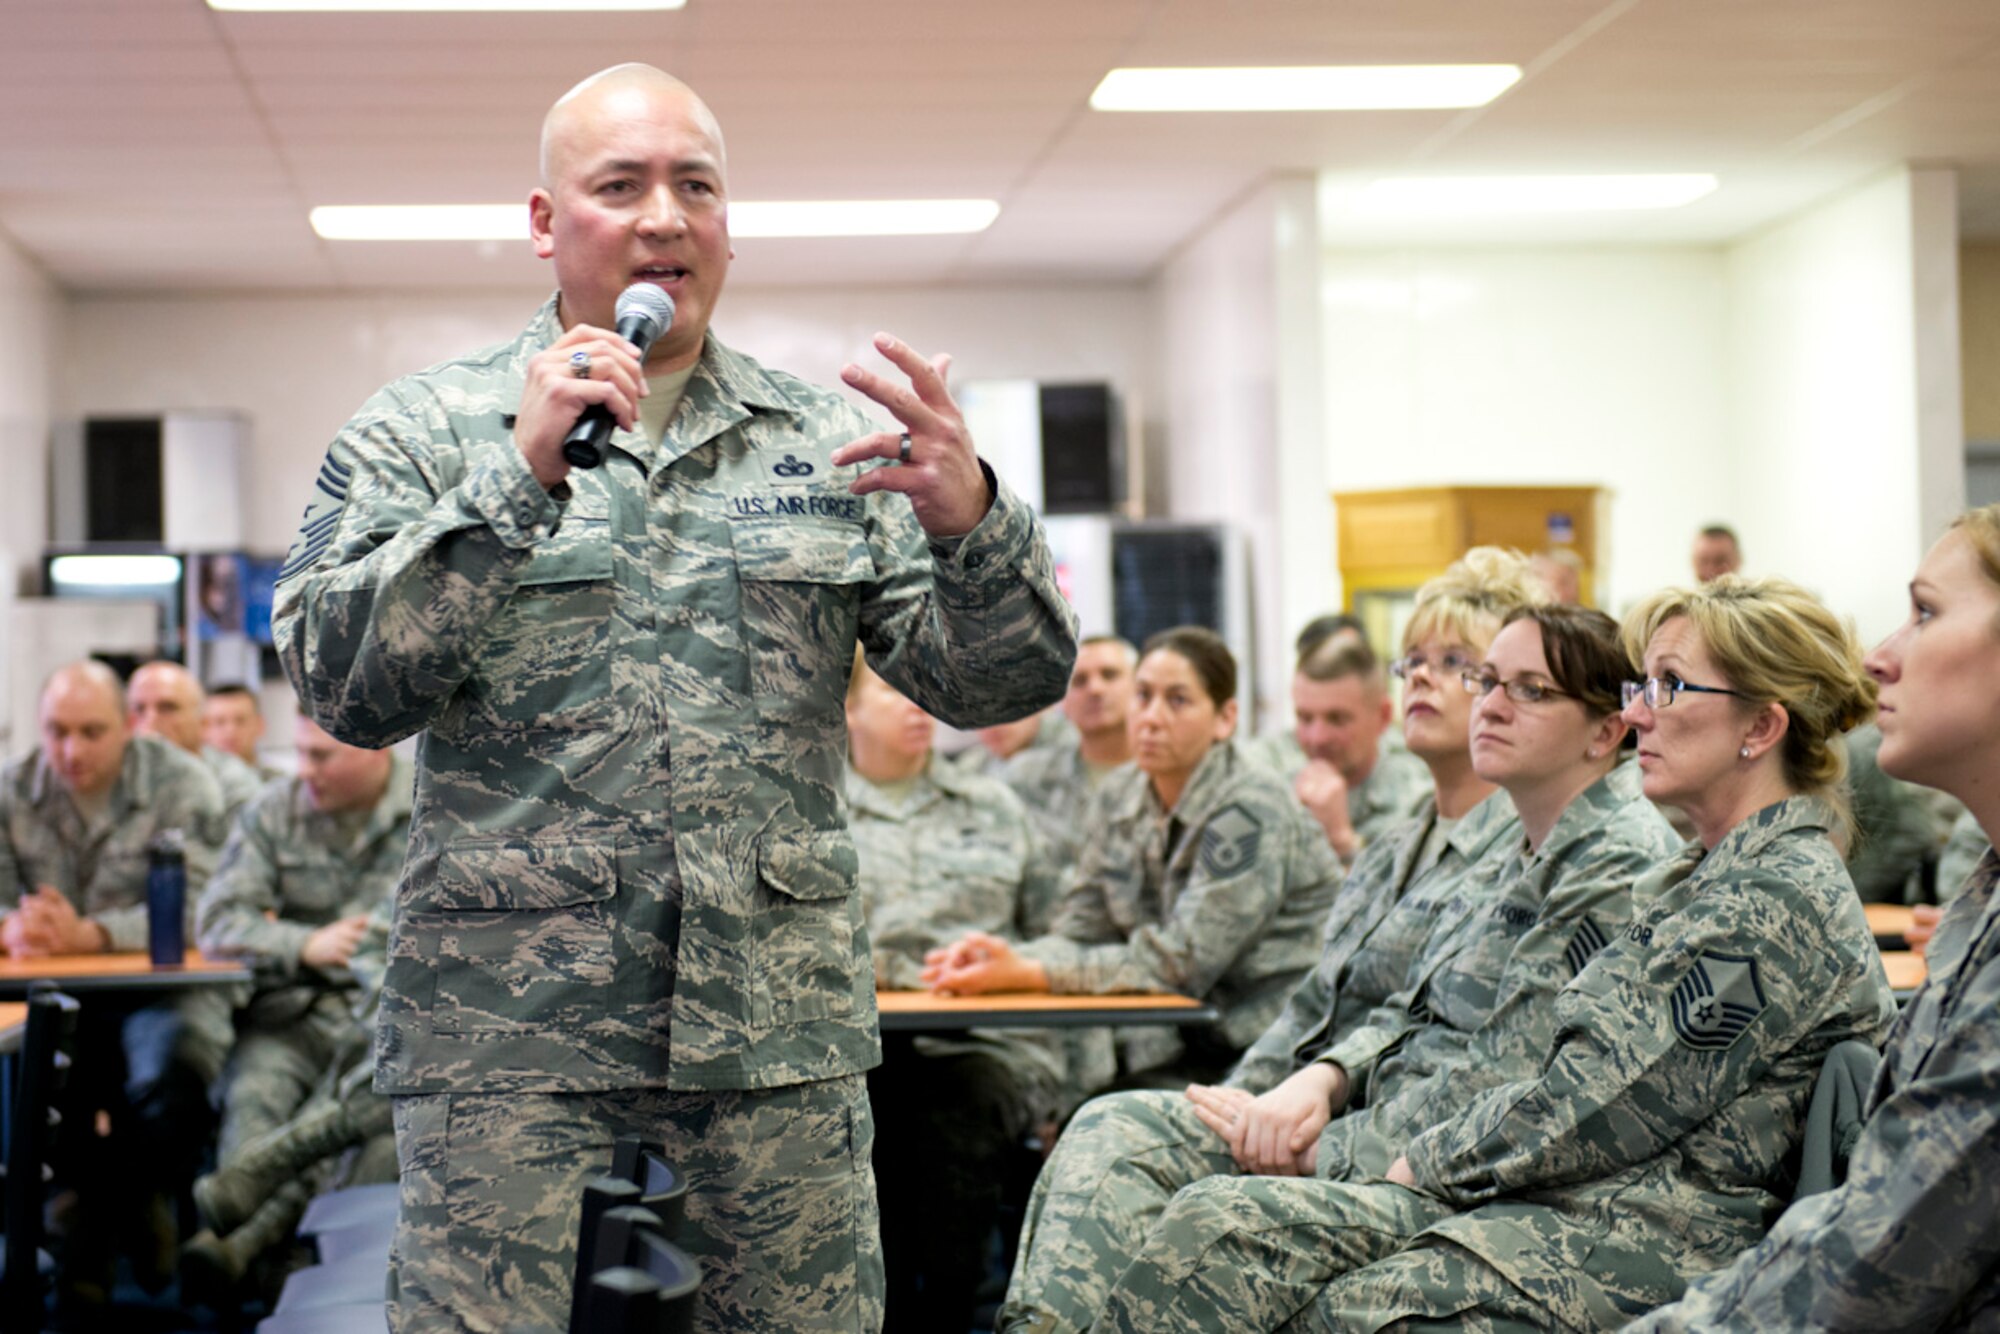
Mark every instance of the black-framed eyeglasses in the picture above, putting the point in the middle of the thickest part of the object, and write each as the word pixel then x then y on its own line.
pixel 1522 689
pixel 1660 691
pixel 1451 663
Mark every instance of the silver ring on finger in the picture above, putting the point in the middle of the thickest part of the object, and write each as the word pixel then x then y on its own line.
pixel 579 364
pixel 903 450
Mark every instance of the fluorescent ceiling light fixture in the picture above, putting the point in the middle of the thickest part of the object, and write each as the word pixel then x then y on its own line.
pixel 431 6
pixel 115 571
pixel 748 219
pixel 861 217
pixel 1304 88
pixel 1428 196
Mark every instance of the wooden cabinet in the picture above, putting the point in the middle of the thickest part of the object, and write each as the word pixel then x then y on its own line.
pixel 1391 542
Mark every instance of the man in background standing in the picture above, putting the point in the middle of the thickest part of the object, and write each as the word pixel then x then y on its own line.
pixel 1716 553
pixel 232 721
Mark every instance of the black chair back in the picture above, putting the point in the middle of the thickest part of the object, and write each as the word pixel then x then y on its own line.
pixel 40 1070
pixel 641 1179
pixel 641 1283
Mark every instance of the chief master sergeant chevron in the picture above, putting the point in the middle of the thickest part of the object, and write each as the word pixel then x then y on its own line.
pixel 630 905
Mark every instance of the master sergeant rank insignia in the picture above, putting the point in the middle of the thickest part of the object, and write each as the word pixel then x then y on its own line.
pixel 1716 1001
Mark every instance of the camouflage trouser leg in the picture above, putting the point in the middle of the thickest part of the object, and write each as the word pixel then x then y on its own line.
pixel 780 1209
pixel 1250 1252
pixel 1433 1286
pixel 1113 1171
pixel 270 1076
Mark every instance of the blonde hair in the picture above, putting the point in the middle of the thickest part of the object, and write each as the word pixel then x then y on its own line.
pixel 1982 528
pixel 1470 599
pixel 1776 643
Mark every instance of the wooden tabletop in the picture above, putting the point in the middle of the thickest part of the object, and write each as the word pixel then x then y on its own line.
pixel 13 1022
pixel 1906 970
pixel 129 971
pixel 1888 921
pixel 916 1011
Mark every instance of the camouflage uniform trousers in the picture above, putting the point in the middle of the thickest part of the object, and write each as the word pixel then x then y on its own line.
pixel 1431 1287
pixel 780 1206
pixel 1142 1221
pixel 272 1072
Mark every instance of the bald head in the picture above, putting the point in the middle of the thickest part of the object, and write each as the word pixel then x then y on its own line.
pixel 82 719
pixel 611 91
pixel 164 700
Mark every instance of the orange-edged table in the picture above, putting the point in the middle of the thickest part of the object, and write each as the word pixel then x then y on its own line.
pixel 923 1011
pixel 130 971
pixel 1906 971
pixel 1888 921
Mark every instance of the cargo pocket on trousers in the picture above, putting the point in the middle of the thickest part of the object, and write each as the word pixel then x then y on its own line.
pixel 802 961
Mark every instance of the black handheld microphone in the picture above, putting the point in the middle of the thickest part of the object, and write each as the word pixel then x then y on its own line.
pixel 644 313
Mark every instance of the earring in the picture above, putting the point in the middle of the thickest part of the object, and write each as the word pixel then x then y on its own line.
pixel 1744 752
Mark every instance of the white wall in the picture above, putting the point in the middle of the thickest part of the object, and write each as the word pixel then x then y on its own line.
pixel 30 318
pixel 297 366
pixel 1847 427
pixel 1239 424
pixel 1600 367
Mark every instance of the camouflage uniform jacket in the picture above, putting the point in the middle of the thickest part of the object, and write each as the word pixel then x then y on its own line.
pixel 1897 827
pixel 628 859
pixel 1054 783
pixel 1478 1008
pixel 1650 1148
pixel 1223 898
pixel 240 783
pixel 288 870
pixel 1962 852
pixel 101 866
pixel 1383 916
pixel 1389 795
pixel 1911 1241
pixel 955 855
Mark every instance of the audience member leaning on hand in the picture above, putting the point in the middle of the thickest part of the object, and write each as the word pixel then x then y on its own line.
pixel 1475 1008
pixel 1911 1241
pixel 1651 1145
pixel 1203 877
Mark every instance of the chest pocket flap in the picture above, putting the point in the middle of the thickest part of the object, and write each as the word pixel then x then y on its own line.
pixel 518 875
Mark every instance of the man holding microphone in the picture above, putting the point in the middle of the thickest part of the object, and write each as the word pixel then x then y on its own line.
pixel 630 900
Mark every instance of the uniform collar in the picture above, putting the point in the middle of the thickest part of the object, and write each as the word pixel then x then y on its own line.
pixel 1484 825
pixel 129 791
pixel 726 388
pixel 1208 778
pixel 1591 809
pixel 1747 841
pixel 936 779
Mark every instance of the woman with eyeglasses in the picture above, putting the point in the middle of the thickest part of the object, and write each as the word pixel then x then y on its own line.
pixel 1248 1245
pixel 1911 1240
pixel 1124 1156
pixel 1650 1146
pixel 1200 874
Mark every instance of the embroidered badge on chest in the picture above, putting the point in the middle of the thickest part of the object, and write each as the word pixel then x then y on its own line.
pixel 1229 843
pixel 1717 1000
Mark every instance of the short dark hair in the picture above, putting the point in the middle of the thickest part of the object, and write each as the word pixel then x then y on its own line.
pixel 1337 660
pixel 1322 628
pixel 236 689
pixel 1586 653
pixel 1204 651
pixel 1721 530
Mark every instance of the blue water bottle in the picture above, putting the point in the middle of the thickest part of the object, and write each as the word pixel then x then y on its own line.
pixel 166 899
